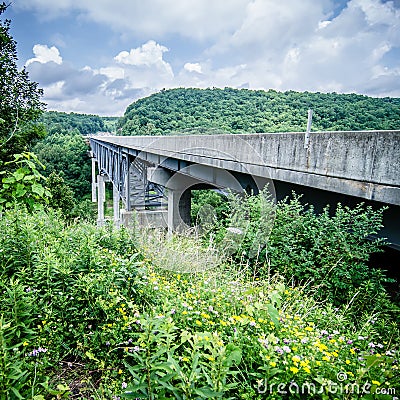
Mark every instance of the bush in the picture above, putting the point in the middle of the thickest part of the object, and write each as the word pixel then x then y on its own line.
pixel 330 249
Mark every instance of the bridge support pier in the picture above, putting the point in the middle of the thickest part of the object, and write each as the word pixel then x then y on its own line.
pixel 94 186
pixel 101 197
pixel 116 206
pixel 179 206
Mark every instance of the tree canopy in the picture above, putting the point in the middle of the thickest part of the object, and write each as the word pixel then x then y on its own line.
pixel 86 124
pixel 209 111
pixel 20 103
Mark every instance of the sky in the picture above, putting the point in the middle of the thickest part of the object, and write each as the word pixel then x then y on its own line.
pixel 98 56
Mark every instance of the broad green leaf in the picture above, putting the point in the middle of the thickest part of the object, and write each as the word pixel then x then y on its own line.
pixel 10 179
pixel 38 189
pixel 234 355
pixel 274 314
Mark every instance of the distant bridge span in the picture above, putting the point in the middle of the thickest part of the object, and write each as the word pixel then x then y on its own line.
pixel 327 166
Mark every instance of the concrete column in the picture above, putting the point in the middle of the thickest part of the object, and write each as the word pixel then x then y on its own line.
pixel 94 197
pixel 179 206
pixel 101 197
pixel 116 206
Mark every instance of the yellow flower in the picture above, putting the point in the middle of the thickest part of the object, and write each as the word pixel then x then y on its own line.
pixel 184 312
pixel 185 359
pixel 198 322
pixel 272 363
pixel 294 370
pixel 120 371
pixel 308 328
pixel 296 359
pixel 347 362
pixel 322 347
pixel 325 358
pixel 304 363
pixel 376 383
pixel 307 370
pixel 25 343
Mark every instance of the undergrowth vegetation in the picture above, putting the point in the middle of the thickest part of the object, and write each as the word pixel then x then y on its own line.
pixel 99 313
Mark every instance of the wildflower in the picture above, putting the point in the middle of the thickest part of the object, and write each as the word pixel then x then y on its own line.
pixel 376 383
pixel 304 363
pixel 279 350
pixel 308 328
pixel 25 343
pixel 120 371
pixel 371 345
pixel 296 359
pixel 124 385
pixel 236 231
pixel 295 370
pixel 286 349
pixel 349 342
pixel 272 364
pixel 307 370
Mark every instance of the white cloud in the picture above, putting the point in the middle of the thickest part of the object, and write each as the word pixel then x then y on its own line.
pixel 44 54
pixel 149 54
pixel 193 67
pixel 200 19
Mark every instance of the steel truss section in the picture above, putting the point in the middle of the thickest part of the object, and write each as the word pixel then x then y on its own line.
pixel 128 174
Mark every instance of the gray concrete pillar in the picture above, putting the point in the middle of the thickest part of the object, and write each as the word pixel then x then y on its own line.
pixel 101 197
pixel 179 206
pixel 116 206
pixel 94 186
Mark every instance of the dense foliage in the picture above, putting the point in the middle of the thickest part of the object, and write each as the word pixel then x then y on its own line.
pixel 23 183
pixel 211 111
pixel 20 103
pixel 86 124
pixel 330 250
pixel 85 313
pixel 66 153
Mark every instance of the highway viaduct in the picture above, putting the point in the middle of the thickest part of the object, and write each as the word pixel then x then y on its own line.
pixel 155 174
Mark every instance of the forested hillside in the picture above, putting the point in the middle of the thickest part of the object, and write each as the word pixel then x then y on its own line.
pixel 86 124
pixel 207 111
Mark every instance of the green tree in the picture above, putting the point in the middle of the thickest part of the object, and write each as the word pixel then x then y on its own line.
pixel 23 183
pixel 62 196
pixel 20 103
pixel 65 152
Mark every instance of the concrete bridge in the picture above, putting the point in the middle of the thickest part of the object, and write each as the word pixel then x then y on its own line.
pixel 155 175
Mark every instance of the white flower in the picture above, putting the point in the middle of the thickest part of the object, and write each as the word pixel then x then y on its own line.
pixel 236 231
